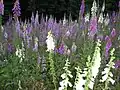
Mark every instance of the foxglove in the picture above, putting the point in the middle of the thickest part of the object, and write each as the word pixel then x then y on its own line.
pixel 108 46
pixel 117 64
pixel 1 7
pixel 82 8
pixel 113 33
pixel 50 42
pixel 93 27
pixel 16 9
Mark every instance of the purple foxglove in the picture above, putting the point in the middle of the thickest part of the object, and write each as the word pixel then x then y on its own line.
pixel 61 49
pixel 113 33
pixel 117 64
pixel 108 46
pixel 82 8
pixel 1 7
pixel 106 38
pixel 50 23
pixel 16 9
pixel 93 26
pixel 17 26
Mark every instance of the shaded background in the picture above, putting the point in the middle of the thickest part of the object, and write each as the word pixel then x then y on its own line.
pixel 57 8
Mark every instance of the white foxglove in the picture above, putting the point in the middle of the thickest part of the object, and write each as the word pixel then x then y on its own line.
pixel 50 42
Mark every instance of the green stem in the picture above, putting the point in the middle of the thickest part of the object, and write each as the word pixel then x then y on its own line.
pixel 52 70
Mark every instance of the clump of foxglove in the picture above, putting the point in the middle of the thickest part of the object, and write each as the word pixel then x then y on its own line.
pixel 16 9
pixel 50 42
pixel 107 74
pixel 90 72
pixel 65 76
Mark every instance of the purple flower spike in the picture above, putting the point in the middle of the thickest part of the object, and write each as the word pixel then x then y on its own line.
pixel 82 8
pixel 61 49
pixel 108 46
pixel 117 64
pixel 93 27
pixel 50 23
pixel 113 33
pixel 107 38
pixel 1 7
pixel 16 9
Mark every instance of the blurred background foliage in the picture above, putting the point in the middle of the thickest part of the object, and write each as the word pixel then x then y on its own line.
pixel 57 8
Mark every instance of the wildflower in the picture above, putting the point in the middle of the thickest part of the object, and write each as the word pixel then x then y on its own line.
pixel 65 76
pixel 10 47
pixel 94 8
pixel 16 9
pixel 67 33
pixel 100 20
pixel 28 29
pixel 96 64
pixel 82 8
pixel 50 42
pixel 79 80
pixel 50 23
pixel 74 47
pixel 107 75
pixel 107 38
pixel 36 19
pixel 64 20
pixel 17 26
pixel 35 44
pixel 1 7
pixel 61 49
pixel 93 26
pixel 108 46
pixel 106 20
pixel 87 17
pixel 103 7
pixel 117 64
pixel 32 18
pixel 113 33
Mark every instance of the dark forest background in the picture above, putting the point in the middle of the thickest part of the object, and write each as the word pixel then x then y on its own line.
pixel 57 8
